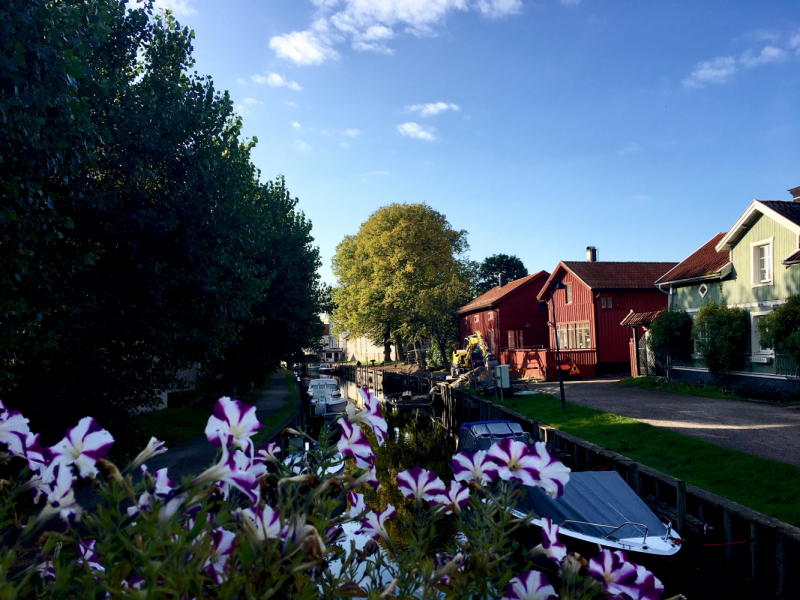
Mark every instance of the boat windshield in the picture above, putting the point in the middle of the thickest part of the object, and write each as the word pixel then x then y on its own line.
pixel 484 443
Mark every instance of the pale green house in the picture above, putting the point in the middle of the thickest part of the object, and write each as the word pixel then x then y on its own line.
pixel 755 266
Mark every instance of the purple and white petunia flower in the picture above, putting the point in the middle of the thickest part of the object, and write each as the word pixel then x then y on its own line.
pixel 357 504
pixel 420 484
pixel 89 556
pixel 474 466
pixel 529 585
pixel 267 522
pixel 34 453
pixel 613 570
pixel 13 430
pixel 553 475
pixel 514 462
pixel 370 415
pixel 369 477
pixel 83 446
pixel 334 534
pixel 554 549
pixel 243 463
pixel 648 587
pixel 232 422
pixel 222 541
pixel 60 495
pixel 354 444
pixel 133 582
pixel 46 570
pixel 227 471
pixel 455 497
pixel 154 448
pixel 268 453
pixel 374 524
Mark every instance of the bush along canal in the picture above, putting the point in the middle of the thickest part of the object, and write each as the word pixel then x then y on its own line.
pixel 418 436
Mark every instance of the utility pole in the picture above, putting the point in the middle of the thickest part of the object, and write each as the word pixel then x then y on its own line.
pixel 558 286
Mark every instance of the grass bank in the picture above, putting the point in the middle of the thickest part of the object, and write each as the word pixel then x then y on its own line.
pixel 274 420
pixel 765 485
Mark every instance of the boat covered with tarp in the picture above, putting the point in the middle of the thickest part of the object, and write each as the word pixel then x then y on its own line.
pixel 596 506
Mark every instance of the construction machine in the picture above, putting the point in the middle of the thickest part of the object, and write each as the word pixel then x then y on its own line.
pixel 475 358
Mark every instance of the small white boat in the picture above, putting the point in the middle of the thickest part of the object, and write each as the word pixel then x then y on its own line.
pixel 321 388
pixel 596 506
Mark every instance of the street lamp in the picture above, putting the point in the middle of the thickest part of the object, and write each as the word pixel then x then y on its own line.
pixel 553 287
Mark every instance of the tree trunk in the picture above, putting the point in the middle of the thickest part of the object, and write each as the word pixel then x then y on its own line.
pixel 387 345
pixel 399 349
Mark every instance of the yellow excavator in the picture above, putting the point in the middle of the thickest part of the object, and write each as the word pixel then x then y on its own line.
pixel 477 358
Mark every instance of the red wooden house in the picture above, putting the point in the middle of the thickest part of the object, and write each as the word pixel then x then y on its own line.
pixel 595 298
pixel 508 315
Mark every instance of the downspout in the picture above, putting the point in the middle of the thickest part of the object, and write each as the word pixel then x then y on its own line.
pixel 596 332
pixel 669 307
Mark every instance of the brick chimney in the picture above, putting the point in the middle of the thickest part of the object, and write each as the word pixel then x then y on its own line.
pixel 502 279
pixel 795 192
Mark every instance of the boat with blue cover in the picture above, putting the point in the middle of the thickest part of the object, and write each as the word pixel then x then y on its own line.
pixel 597 506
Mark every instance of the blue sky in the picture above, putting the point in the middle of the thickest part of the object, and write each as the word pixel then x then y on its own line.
pixel 642 128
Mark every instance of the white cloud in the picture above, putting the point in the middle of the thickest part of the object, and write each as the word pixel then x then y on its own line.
pixel 351 132
pixel 251 101
pixel 631 148
pixel 369 24
pixel 301 146
pixel 276 80
pixel 570 2
pixel 344 144
pixel 181 8
pixel 415 130
pixel 767 55
pixel 291 104
pixel 302 47
pixel 794 42
pixel 240 81
pixel 295 124
pixel 433 108
pixel 718 70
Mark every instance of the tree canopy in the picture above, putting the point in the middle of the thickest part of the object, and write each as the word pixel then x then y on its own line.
pixel 135 235
pixel 496 264
pixel 401 276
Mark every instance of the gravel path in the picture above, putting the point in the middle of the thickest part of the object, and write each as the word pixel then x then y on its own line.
pixel 761 429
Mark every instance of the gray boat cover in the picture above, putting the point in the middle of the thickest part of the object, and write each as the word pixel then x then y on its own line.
pixel 600 497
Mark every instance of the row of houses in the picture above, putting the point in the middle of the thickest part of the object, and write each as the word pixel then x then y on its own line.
pixel 600 310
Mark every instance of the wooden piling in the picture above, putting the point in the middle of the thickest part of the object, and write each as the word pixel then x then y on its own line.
pixel 680 489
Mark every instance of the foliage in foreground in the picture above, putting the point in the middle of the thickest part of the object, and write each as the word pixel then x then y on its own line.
pixel 136 237
pixel 671 334
pixel 780 329
pixel 253 525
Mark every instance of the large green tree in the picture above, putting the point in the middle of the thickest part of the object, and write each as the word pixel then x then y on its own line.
pixel 136 237
pixel 493 266
pixel 720 337
pixel 401 276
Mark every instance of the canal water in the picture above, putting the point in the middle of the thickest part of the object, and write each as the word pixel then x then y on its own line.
pixel 418 436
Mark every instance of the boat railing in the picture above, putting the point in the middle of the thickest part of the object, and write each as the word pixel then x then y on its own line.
pixel 613 528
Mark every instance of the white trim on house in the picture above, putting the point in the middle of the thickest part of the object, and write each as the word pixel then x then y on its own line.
pixel 747 218
pixel 754 341
pixel 741 373
pixel 755 266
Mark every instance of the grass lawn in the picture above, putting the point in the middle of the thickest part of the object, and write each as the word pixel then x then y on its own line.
pixel 679 387
pixel 765 485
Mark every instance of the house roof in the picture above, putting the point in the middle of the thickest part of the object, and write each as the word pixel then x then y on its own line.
pixel 792 259
pixel 497 293
pixel 783 212
pixel 610 275
pixel 703 263
pixel 645 318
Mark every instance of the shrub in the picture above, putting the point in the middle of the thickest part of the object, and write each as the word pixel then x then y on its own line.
pixel 720 335
pixel 255 526
pixel 780 329
pixel 671 334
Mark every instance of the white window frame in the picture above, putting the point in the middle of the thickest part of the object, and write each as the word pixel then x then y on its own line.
pixel 703 290
pixel 754 336
pixel 755 267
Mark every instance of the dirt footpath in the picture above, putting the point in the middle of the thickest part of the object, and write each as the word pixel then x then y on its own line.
pixel 761 429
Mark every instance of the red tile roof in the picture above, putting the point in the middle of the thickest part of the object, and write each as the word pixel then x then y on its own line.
pixel 610 275
pixel 497 293
pixel 646 318
pixel 704 262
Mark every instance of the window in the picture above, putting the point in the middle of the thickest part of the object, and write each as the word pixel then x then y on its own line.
pixel 477 318
pixel 515 338
pixel 574 335
pixel 761 262
pixel 608 302
pixel 703 290
pixel 569 293
pixel 756 346
pixel 491 316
